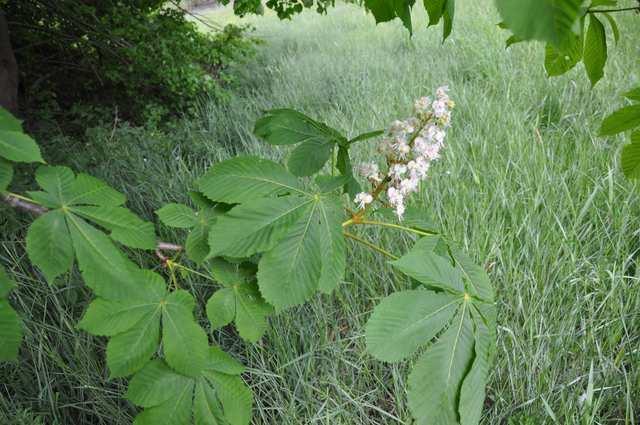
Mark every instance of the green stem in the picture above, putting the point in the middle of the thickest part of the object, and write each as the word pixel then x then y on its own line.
pixel 190 270
pixel 396 226
pixel 370 245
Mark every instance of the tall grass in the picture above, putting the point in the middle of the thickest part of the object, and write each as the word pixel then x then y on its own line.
pixel 525 186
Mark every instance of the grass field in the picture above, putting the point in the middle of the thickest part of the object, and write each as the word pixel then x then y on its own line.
pixel 525 185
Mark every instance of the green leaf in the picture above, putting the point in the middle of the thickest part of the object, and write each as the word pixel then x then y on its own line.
pixel 6 174
pixel 447 18
pixel 10 323
pixel 185 343
pixel 287 127
pixel 154 384
pixel 430 269
pixel 104 268
pixel 6 284
pixel 88 190
pixel 206 407
pixel 129 351
pixel 614 27
pixel 630 159
pixel 621 120
pixel 332 245
pixel 289 273
pixel 236 398
pixel 49 245
pixel 240 302
pixel 222 362
pixel 226 273
pixel 633 94
pixel 8 122
pixel 435 9
pixel 387 10
pixel 251 312
pixel 126 227
pixel 56 181
pixel 553 23
pixel 309 157
pixel 343 164
pixel 176 411
pixel 221 307
pixel 595 50
pixel 472 392
pixel 216 396
pixel 246 178
pixel 557 60
pixel 141 297
pixel 19 147
pixel 177 215
pixel 256 226
pixel 197 244
pixel 366 136
pixel 10 332
pixel 328 184
pixel 512 40
pixel 477 281
pixel 436 378
pixel 405 321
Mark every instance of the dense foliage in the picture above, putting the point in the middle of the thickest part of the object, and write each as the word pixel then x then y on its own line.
pixel 269 240
pixel 143 57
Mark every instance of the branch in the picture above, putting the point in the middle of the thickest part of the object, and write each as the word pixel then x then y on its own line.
pixel 24 205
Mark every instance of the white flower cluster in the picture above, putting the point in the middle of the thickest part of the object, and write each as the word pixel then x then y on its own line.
pixel 409 147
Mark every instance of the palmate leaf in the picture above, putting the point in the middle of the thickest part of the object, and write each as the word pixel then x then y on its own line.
pixel 133 319
pixel 315 140
pixel 243 304
pixel 72 198
pixel 553 23
pixel 299 235
pixel 10 323
pixel 217 395
pixel 93 199
pixel 446 384
pixel 238 300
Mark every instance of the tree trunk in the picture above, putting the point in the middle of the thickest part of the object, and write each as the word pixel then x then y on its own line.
pixel 8 69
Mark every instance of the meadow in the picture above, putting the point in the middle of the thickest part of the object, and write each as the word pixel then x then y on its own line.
pixel 525 186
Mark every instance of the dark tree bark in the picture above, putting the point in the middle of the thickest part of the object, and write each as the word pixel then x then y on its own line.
pixel 8 69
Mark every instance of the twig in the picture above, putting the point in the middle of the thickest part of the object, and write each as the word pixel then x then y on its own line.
pixel 30 207
pixel 370 245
